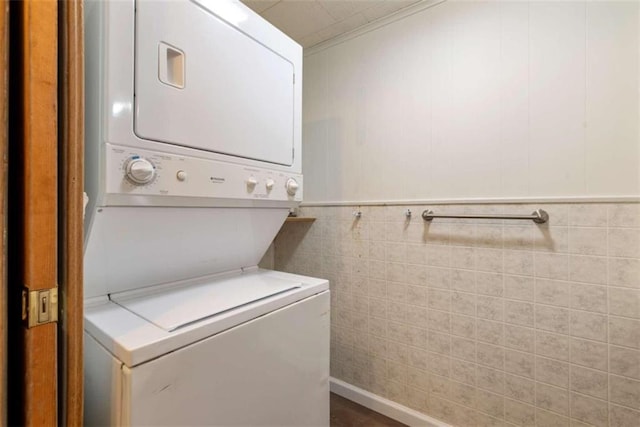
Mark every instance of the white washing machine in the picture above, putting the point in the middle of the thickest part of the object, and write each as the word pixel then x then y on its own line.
pixel 193 114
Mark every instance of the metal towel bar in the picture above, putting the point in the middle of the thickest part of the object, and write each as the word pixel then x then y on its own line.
pixel 538 216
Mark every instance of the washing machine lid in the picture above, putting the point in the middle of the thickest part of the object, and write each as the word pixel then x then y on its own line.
pixel 171 308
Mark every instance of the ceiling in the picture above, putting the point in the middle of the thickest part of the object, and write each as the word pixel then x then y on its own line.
pixel 310 22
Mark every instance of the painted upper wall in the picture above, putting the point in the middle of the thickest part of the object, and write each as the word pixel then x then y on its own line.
pixel 478 100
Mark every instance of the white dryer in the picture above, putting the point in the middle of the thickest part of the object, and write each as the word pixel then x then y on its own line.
pixel 193 114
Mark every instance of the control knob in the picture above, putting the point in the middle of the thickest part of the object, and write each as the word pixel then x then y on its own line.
pixel 292 186
pixel 269 184
pixel 140 171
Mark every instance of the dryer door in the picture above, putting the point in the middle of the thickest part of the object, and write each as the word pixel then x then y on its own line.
pixel 200 82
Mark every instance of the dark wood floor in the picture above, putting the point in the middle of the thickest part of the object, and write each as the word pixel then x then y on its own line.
pixel 345 413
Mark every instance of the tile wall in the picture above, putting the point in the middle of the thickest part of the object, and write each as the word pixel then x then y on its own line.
pixel 483 322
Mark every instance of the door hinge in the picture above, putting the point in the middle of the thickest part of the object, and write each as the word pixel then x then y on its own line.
pixel 39 307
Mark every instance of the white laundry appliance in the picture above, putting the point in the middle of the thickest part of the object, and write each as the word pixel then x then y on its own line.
pixel 193 115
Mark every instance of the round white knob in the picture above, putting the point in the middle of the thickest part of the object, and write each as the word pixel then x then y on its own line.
pixel 140 171
pixel 181 175
pixel 269 184
pixel 292 186
pixel 251 183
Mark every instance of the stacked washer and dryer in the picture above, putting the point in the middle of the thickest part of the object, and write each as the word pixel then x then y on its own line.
pixel 193 124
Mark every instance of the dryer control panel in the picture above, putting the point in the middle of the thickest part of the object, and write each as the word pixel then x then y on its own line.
pixel 152 173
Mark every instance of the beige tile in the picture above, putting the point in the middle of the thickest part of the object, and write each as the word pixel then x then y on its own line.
pixel 624 302
pixel 489 260
pixel 415 253
pixel 439 385
pixel 490 379
pixel 463 303
pixel 395 252
pixel 552 372
pixel 490 355
pixel 589 353
pixel 397 292
pixel 589 381
pixel 439 299
pixel 620 416
pixel 552 345
pixel 440 321
pixel 518 237
pixel 484 420
pixel 519 313
pixel 625 332
pixel 588 269
pixel 588 215
pixel 624 272
pixel 624 242
pixel 416 275
pixel 519 388
pixel 396 272
pixel 589 297
pixel 550 419
pixel 463 326
pixel 518 262
pixel 439 343
pixel 490 332
pixel 437 255
pixel 463 371
pixel 416 337
pixel 417 399
pixel 519 288
pixel 463 280
pixel 403 312
pixel 558 213
pixel 438 277
pixel 589 325
pixel 417 358
pixel 553 292
pixel 417 295
pixel 624 215
pixel 439 364
pixel 552 398
pixel 519 363
pixel 552 239
pixel 624 391
pixel 463 394
pixel 462 257
pixel 553 319
pixel 490 403
pixel 589 410
pixel 489 307
pixel 377 288
pixel 588 241
pixel 519 338
pixel 396 372
pixel 551 266
pixel 489 284
pixel 519 413
pixel 624 361
pixel 397 332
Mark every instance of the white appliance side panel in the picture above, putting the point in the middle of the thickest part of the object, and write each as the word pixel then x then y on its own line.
pixel 232 94
pixel 134 247
pixel 271 371
pixel 103 388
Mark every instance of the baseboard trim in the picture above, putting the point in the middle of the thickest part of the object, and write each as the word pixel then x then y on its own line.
pixel 384 406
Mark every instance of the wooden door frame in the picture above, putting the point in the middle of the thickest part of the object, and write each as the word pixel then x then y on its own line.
pixel 71 208
pixel 41 379
pixel 38 174
pixel 4 104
